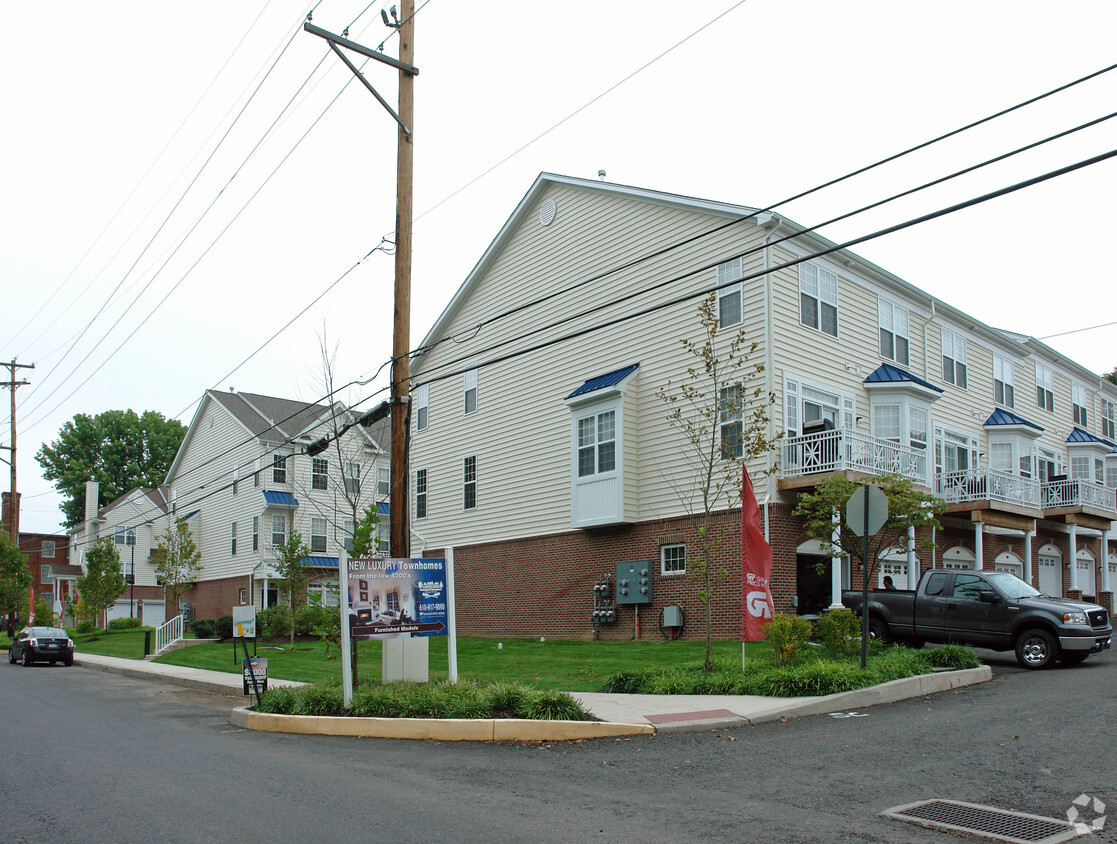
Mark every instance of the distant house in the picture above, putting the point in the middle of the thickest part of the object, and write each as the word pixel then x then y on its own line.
pixel 548 462
pixel 47 560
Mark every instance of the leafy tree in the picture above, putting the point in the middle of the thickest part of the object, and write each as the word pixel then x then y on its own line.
pixel 294 573
pixel 1111 376
pixel 364 534
pixel 103 581
pixel 177 560
pixel 15 580
pixel 721 410
pixel 907 508
pixel 117 448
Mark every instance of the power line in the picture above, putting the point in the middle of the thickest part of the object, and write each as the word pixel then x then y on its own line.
pixel 1076 330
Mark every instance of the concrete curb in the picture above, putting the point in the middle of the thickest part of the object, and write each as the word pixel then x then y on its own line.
pixel 438 729
pixel 172 675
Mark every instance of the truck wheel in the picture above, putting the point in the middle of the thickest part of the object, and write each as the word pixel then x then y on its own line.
pixel 878 630
pixel 1036 649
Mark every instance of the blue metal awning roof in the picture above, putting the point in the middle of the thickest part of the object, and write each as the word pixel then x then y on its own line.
pixel 886 373
pixel 382 508
pixel 320 562
pixel 600 382
pixel 1001 416
pixel 1077 435
pixel 280 499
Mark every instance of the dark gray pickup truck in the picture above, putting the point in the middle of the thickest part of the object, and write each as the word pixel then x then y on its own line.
pixel 987 609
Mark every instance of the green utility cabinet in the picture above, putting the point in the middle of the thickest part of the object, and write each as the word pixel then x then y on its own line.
pixel 634 582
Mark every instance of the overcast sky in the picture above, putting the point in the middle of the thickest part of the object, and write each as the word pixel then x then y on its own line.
pixel 111 109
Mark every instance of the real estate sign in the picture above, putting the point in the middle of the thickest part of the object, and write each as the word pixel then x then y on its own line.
pixel 254 667
pixel 389 598
pixel 244 622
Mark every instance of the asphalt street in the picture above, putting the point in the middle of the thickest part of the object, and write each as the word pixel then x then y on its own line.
pixel 95 757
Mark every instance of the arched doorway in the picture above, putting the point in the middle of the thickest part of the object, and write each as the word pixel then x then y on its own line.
pixel 1009 562
pixel 958 557
pixel 813 580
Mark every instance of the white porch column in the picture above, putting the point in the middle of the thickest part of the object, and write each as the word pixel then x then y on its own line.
pixel 1028 557
pixel 978 551
pixel 1105 561
pixel 836 563
pixel 1073 556
pixel 913 575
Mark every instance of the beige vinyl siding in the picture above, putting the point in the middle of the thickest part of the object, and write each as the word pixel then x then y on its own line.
pixel 521 431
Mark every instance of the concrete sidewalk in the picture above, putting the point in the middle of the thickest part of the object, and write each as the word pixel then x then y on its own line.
pixel 641 713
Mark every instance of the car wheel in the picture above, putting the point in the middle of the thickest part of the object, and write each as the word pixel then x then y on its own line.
pixel 1036 649
pixel 1073 658
pixel 878 630
pixel 11 657
pixel 26 658
pixel 68 661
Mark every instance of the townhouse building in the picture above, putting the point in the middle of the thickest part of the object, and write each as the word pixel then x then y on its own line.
pixel 540 450
pixel 243 482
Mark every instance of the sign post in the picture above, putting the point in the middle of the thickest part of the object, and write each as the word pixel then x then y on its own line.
pixel 866 513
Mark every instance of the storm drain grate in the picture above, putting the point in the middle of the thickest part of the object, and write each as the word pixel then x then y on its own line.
pixel 983 821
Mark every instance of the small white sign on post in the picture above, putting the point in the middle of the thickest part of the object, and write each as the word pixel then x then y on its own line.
pixel 244 622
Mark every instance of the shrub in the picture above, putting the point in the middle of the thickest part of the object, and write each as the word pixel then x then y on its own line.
pixel 839 630
pixel 44 612
pixel 278 700
pixel 223 627
pixel 552 706
pixel 626 682
pixel 85 626
pixel 504 697
pixel 310 617
pixel 202 627
pixel 817 678
pixel 273 623
pixel 787 634
pixel 319 699
pixel 952 656
pixel 124 623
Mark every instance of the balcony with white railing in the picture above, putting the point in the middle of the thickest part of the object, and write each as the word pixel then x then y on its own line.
pixel 965 488
pixel 841 451
pixel 1069 495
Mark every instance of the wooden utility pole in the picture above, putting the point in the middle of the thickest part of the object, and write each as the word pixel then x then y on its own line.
pixel 13 504
pixel 400 404
pixel 398 501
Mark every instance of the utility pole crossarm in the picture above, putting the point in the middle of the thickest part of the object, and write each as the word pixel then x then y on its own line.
pixel 359 48
pixel 367 84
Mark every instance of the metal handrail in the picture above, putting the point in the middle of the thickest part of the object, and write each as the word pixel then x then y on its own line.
pixel 168 634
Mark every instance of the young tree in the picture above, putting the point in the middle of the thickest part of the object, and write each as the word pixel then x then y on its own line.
pixel 177 561
pixel 365 533
pixel 103 581
pixel 118 448
pixel 721 411
pixel 15 580
pixel 294 572
pixel 907 508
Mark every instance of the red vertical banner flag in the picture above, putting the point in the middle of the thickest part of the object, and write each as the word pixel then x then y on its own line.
pixel 756 566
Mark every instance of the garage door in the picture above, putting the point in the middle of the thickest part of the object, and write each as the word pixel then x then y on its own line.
pixel 1050 578
pixel 118 610
pixel 1086 579
pixel 154 613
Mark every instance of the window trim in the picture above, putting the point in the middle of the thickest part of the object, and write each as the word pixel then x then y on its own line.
pixel 233 541
pixel 422 407
pixel 1080 410
pixel 1004 387
pixel 43 549
pixel 319 542
pixel 274 533
pixel 469 482
pixel 1045 388
pixel 279 469
pixel 255 533
pixel 422 492
pixel 889 312
pixel 470 385
pixel 320 473
pixel 727 272
pixel 959 363
pixel 821 276
pixel 1108 418
pixel 674 572
pixel 732 418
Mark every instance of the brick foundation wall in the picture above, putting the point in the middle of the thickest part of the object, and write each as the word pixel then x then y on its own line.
pixel 215 598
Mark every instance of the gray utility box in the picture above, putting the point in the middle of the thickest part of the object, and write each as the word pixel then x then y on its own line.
pixel 673 616
pixel 634 582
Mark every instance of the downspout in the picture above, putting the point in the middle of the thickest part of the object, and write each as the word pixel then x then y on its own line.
pixel 934 316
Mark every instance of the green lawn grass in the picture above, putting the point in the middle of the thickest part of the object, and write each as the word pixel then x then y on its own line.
pixel 128 644
pixel 570 665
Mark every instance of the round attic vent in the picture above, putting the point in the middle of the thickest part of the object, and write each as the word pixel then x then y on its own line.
pixel 547 212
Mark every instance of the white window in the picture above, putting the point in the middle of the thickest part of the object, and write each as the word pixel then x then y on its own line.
pixel 597 443
pixel 233 547
pixel 730 419
pixel 729 293
pixel 1045 388
pixel 47 549
pixel 278 531
pixel 422 402
pixel 243 597
pixel 256 474
pixel 1000 457
pixel 255 533
pixel 124 536
pixel 1079 401
pixel 319 473
pixel 383 482
pixel 1002 382
pixel 352 477
pixel 318 528
pixel 918 420
pixel 1079 468
pixel 886 422
pixel 279 468
pixel 236 479
pixel 1108 419
pixel 893 321
pixel 471 391
pixel 420 493
pixel 818 299
pixel 347 535
pixel 469 483
pixel 672 559
pixel 383 541
pixel 953 359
